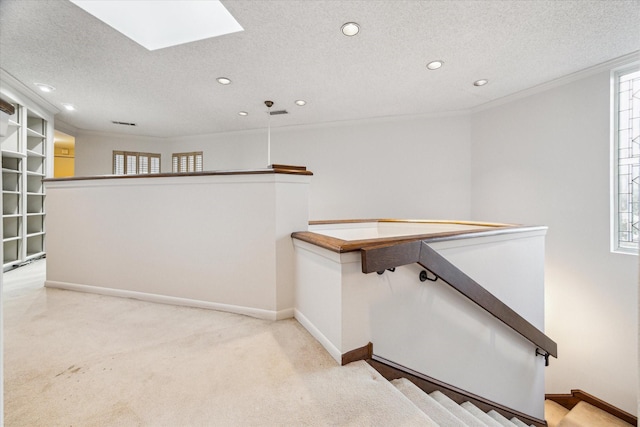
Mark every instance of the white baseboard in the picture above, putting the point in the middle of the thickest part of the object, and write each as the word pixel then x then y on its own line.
pixel 315 332
pixel 164 299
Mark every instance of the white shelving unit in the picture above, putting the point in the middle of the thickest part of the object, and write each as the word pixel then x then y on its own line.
pixel 24 165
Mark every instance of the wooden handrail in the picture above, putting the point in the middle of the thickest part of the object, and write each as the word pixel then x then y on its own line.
pixel 382 258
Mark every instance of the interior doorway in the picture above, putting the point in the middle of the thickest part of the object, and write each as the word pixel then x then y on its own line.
pixel 64 153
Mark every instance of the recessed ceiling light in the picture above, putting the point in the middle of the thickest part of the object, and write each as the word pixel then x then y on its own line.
pixel 434 65
pixel 480 82
pixel 69 107
pixel 156 24
pixel 301 102
pixel 223 80
pixel 45 88
pixel 243 113
pixel 350 29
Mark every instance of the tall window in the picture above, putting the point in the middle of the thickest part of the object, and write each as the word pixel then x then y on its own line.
pixel 132 163
pixel 626 160
pixel 186 162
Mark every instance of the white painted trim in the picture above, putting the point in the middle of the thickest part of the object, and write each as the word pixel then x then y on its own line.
pixel 315 332
pixel 23 91
pixel 66 128
pixel 578 75
pixel 164 299
pixel 149 180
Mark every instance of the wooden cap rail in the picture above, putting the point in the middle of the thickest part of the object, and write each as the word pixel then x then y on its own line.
pixel 385 257
pixel 272 169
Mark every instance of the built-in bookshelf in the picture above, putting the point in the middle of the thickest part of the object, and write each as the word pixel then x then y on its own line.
pixel 24 165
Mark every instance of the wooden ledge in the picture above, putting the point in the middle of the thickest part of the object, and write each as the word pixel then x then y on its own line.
pixel 276 169
pixel 341 246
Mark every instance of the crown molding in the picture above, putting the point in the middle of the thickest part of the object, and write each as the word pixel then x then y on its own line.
pixel 19 91
pixel 617 63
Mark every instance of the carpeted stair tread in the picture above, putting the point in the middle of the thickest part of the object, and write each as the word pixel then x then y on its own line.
pixel 586 415
pixel 518 422
pixel 464 415
pixel 480 414
pixel 554 412
pixel 503 421
pixel 427 404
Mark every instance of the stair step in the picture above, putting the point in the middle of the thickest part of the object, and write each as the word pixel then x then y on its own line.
pixel 503 421
pixel 481 415
pixel 427 404
pixel 464 415
pixel 554 412
pixel 584 414
pixel 518 423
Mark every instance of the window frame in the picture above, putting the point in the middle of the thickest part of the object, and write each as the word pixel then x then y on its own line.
pixel 177 164
pixel 616 246
pixel 137 155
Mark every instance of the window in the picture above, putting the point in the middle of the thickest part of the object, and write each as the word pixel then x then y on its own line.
pixel 131 163
pixel 186 162
pixel 626 160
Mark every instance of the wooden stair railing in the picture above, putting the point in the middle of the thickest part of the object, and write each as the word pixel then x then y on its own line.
pixel 381 258
pixel 570 400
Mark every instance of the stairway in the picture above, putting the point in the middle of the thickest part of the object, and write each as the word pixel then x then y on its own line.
pixel 583 414
pixel 442 411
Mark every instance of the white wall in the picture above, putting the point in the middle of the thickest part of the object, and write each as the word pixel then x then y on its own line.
pixel 540 160
pixel 94 151
pixel 415 167
pixel 544 159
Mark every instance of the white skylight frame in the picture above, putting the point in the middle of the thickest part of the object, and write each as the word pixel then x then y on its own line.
pixel 157 24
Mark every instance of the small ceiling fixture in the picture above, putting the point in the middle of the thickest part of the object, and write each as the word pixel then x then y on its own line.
pixel 123 123
pixel 301 102
pixel 350 29
pixel 223 80
pixel 434 65
pixel 243 113
pixel 69 107
pixel 45 87
pixel 480 82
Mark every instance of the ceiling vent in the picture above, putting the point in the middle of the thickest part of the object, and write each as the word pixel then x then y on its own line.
pixel 278 112
pixel 123 123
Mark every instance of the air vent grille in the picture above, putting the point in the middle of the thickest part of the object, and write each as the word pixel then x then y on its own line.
pixel 278 112
pixel 123 123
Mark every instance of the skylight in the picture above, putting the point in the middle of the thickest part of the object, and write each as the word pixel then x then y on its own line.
pixel 156 24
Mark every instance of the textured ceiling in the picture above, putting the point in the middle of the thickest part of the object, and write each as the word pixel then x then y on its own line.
pixel 294 50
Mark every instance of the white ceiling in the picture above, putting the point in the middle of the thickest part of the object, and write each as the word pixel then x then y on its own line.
pixel 294 50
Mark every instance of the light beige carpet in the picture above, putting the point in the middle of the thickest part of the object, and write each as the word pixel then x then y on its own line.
pixel 75 359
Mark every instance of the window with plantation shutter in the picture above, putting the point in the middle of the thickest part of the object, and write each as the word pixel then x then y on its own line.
pixel 187 162
pixel 132 163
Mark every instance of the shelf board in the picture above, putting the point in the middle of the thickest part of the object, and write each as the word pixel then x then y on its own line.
pixel 31 153
pixel 39 233
pixel 10 239
pixel 15 154
pixel 10 192
pixel 5 170
pixel 35 214
pixel 13 123
pixel 35 194
pixel 11 215
pixel 31 173
pixel 31 132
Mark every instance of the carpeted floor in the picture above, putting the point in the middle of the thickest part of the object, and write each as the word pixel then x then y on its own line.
pixel 75 359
